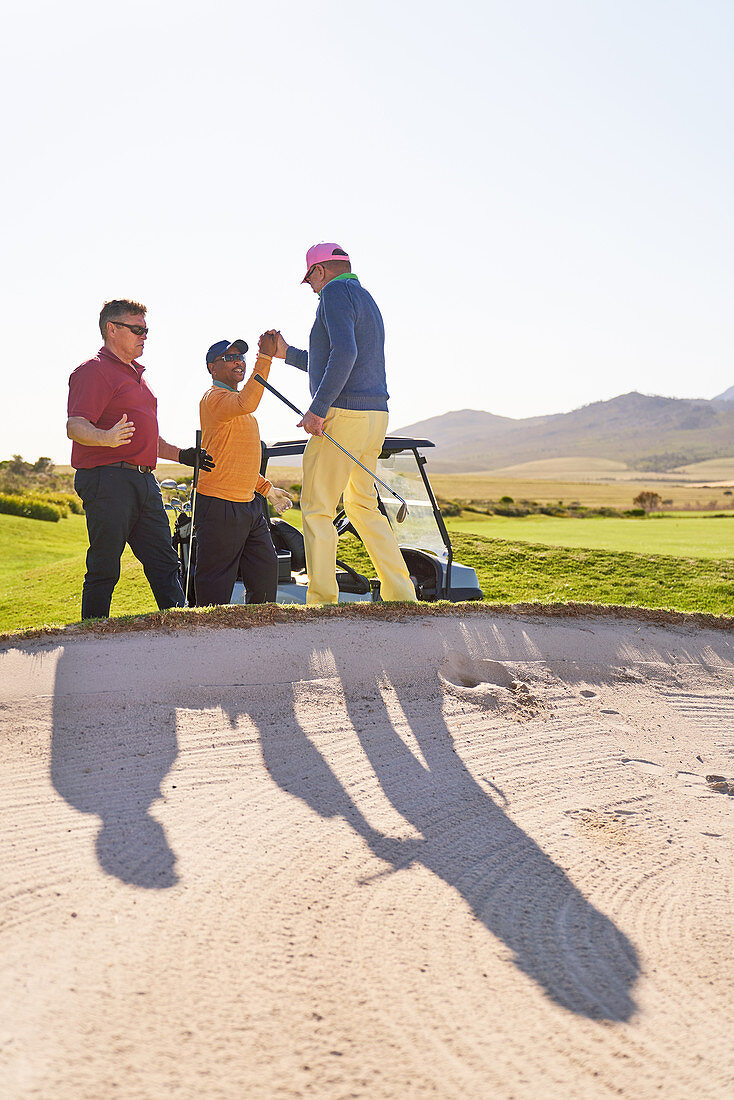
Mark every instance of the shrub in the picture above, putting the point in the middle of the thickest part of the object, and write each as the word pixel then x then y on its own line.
pixel 506 500
pixel 65 501
pixel 30 508
pixel 647 500
pixel 36 478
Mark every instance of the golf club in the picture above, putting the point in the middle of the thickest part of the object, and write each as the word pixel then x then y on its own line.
pixel 402 510
pixel 193 509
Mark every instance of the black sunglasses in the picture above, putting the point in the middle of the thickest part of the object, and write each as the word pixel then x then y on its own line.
pixel 232 357
pixel 138 330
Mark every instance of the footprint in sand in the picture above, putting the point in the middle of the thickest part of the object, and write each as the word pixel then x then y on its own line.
pixel 462 671
pixel 487 682
pixel 646 766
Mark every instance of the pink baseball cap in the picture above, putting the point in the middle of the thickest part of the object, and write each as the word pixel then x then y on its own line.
pixel 320 253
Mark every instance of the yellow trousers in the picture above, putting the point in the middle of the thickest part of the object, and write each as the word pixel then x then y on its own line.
pixel 327 474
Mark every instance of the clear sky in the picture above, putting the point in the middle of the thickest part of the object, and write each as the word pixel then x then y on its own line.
pixel 537 192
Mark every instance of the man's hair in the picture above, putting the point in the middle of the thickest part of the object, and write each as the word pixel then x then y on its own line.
pixel 113 311
pixel 336 267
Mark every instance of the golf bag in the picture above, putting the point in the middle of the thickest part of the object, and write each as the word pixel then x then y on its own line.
pixel 184 545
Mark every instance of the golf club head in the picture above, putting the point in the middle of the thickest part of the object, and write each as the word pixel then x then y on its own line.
pixel 402 513
pixel 182 487
pixel 168 483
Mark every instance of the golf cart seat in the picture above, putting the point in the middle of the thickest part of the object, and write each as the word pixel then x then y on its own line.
pixel 289 545
pixel 288 538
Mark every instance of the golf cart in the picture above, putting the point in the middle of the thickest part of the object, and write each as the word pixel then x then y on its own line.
pixel 422 535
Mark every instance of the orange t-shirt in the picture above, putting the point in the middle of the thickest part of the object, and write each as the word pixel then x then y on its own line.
pixel 230 434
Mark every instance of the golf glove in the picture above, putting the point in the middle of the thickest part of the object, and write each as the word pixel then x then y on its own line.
pixel 187 457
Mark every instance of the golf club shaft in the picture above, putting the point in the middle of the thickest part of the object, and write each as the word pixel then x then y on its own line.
pixel 290 405
pixel 194 483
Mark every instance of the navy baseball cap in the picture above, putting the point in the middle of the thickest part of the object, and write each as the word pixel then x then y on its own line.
pixel 221 346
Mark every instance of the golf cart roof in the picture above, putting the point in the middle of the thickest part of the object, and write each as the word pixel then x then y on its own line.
pixel 393 445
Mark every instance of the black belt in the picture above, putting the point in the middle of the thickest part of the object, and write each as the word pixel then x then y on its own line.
pixel 132 466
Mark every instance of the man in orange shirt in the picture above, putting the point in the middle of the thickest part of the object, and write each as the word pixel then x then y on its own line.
pixel 232 534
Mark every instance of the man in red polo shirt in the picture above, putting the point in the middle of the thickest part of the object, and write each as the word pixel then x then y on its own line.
pixel 113 422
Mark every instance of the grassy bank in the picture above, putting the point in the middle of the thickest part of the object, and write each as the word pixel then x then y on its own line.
pixel 42 565
pixel 41 571
pixel 516 572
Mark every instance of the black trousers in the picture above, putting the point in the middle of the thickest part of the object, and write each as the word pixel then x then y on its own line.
pixel 125 506
pixel 233 540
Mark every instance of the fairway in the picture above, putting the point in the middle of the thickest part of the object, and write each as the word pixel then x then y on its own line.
pixel 675 535
pixel 41 573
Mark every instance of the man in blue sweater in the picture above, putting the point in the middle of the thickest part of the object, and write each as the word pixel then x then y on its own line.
pixel 346 375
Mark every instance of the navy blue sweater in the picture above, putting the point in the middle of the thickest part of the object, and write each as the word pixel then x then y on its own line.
pixel 346 351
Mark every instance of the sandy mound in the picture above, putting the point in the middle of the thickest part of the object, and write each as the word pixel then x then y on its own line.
pixel 443 857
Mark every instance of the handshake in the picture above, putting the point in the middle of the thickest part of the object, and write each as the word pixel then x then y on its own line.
pixel 272 343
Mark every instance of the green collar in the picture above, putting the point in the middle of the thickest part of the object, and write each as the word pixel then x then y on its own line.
pixel 224 386
pixel 338 278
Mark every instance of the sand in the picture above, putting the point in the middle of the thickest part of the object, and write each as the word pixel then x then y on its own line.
pixel 471 856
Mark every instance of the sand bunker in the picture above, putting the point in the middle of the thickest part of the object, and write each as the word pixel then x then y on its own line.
pixel 443 857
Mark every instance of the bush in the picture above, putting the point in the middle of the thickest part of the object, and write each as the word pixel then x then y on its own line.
pixel 449 508
pixel 36 478
pixel 65 501
pixel 30 508
pixel 647 500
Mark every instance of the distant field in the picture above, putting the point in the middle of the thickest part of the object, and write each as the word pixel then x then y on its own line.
pixel 715 469
pixel 678 535
pixel 613 494
pixel 575 468
pixel 584 468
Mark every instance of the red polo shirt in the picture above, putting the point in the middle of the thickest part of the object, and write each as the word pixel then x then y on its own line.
pixel 101 390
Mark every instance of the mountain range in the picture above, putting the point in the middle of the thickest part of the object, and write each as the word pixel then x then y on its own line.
pixel 643 432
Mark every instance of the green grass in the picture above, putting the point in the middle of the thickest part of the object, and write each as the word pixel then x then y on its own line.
pixel 41 573
pixel 690 536
pixel 515 572
pixel 42 566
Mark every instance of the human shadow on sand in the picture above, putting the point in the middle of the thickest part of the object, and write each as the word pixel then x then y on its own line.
pixel 108 757
pixel 557 937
